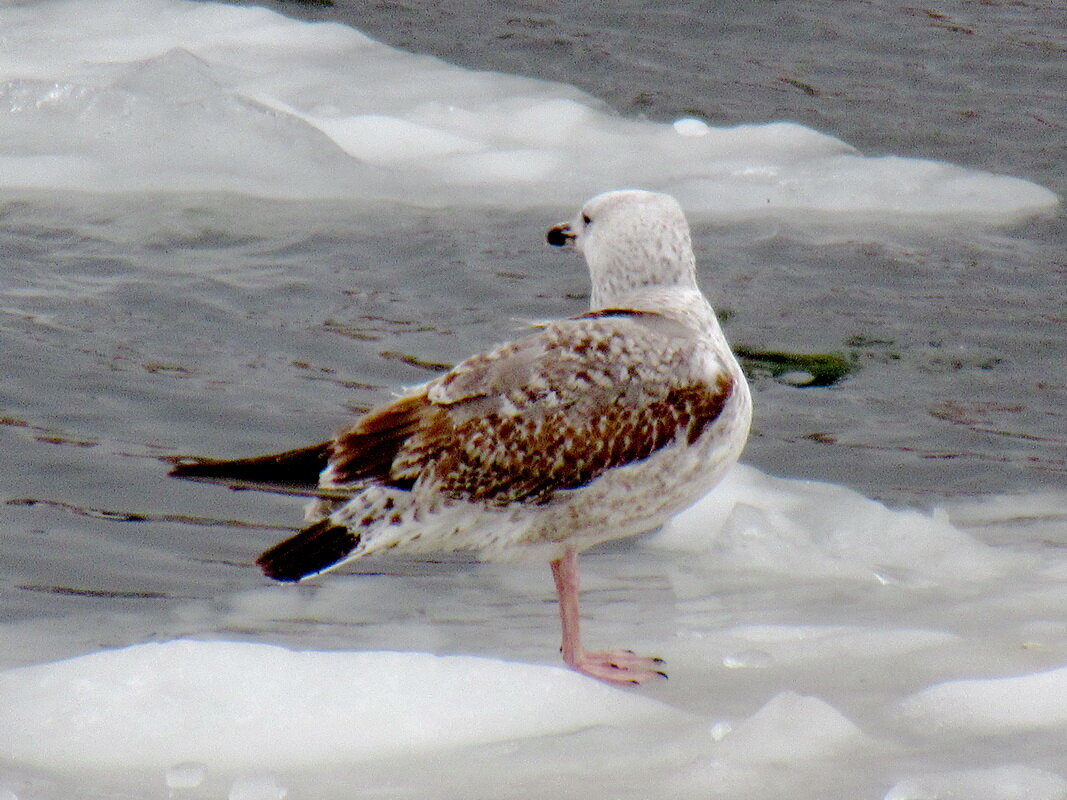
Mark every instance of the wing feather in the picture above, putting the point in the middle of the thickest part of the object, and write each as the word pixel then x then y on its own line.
pixel 367 450
pixel 549 412
pixel 294 470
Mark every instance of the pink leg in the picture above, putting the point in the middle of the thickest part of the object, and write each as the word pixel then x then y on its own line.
pixel 614 666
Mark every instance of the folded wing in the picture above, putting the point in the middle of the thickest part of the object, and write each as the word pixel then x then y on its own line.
pixel 548 412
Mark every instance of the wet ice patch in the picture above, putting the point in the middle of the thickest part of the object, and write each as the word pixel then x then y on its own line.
pixel 1031 522
pixel 167 95
pixel 764 646
pixel 248 707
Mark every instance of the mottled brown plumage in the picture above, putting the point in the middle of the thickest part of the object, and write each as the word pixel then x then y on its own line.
pixel 547 413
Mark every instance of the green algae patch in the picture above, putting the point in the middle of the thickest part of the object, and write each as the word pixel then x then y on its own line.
pixel 797 369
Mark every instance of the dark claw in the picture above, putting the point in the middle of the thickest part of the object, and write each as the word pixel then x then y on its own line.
pixel 662 674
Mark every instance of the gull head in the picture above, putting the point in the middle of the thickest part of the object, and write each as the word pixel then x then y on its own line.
pixel 631 240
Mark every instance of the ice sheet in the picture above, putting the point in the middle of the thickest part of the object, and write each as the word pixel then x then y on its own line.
pixel 236 706
pixel 166 95
pixel 821 529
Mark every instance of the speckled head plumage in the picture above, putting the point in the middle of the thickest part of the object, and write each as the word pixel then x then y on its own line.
pixel 631 239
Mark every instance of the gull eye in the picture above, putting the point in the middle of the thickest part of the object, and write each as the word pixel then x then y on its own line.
pixel 585 219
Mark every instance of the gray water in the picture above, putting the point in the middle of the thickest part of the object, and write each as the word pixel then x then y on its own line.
pixel 139 327
pixel 133 328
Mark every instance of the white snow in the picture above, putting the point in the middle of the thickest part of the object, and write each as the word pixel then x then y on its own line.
pixel 788 729
pixel 1008 782
pixel 257 787
pixel 186 775
pixel 993 705
pixel 799 527
pixel 167 95
pixel 253 706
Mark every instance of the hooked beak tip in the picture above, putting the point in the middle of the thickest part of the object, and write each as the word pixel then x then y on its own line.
pixel 560 235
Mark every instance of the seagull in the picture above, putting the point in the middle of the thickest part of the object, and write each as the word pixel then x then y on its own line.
pixel 587 429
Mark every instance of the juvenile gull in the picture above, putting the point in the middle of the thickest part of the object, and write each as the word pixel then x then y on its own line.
pixel 587 429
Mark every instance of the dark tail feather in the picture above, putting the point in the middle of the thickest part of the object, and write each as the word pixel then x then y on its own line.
pixel 298 468
pixel 313 550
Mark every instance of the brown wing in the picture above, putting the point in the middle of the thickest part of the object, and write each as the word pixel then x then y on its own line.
pixel 367 451
pixel 551 411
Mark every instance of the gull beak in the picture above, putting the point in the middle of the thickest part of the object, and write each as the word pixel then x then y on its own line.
pixel 560 235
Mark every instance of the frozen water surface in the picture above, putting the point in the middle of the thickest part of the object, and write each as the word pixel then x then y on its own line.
pixel 210 100
pixel 224 231
pixel 251 706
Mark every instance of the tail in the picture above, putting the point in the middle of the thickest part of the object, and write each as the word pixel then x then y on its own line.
pixel 294 469
pixel 315 549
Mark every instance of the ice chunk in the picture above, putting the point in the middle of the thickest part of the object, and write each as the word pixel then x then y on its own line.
pixel 993 705
pixel 124 137
pixel 248 707
pixel 691 127
pixel 789 728
pixel 381 139
pixel 169 95
pixel 1009 782
pixel 799 527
